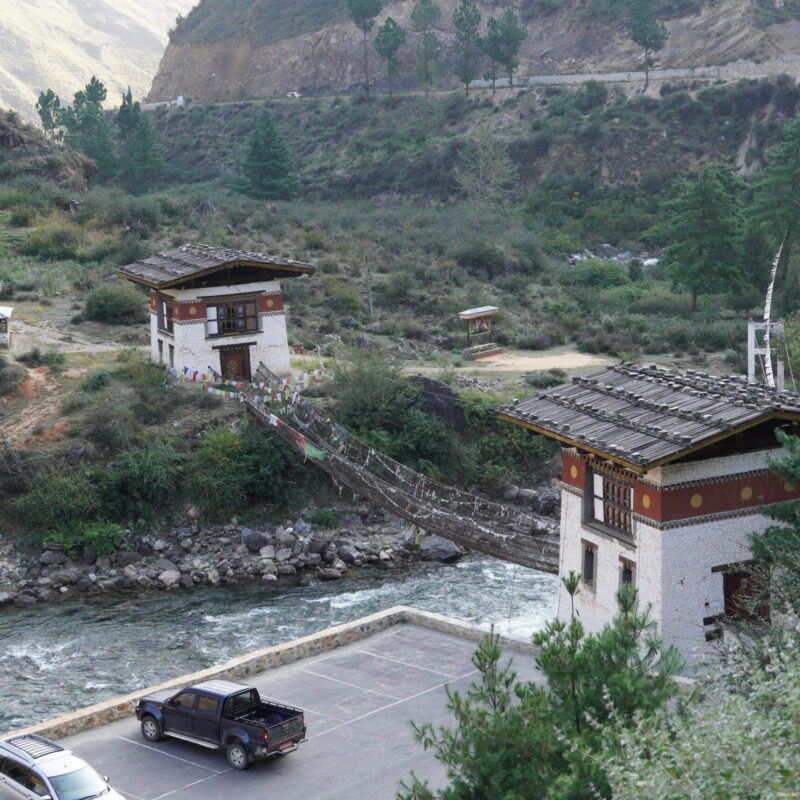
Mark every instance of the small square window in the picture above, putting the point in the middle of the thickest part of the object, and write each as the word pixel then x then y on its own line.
pixel 627 572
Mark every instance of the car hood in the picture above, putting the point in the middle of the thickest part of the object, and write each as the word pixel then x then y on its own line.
pixel 159 696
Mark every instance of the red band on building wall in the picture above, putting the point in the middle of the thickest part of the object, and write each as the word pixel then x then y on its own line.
pixel 270 302
pixel 188 311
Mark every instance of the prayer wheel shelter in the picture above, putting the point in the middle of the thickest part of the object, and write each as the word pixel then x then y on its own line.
pixel 5 326
pixel 480 338
pixel 665 475
pixel 218 308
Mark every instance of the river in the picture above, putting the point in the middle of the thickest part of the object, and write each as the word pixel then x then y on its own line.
pixel 58 657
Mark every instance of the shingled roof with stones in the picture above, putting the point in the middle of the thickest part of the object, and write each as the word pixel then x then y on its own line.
pixel 192 260
pixel 642 416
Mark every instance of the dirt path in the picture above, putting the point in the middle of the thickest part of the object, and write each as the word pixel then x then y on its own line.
pixel 41 405
pixel 50 334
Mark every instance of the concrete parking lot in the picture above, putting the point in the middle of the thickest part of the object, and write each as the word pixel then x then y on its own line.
pixel 358 701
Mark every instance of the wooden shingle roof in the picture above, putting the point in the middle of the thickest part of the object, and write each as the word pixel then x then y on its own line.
pixel 642 416
pixel 193 260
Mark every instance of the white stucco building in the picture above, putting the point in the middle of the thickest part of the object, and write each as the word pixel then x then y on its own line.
pixel 211 307
pixel 664 476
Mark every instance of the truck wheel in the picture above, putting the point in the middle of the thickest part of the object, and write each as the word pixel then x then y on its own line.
pixel 151 730
pixel 237 756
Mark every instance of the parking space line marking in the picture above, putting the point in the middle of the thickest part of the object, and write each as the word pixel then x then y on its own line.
pixel 285 701
pixel 189 785
pixel 351 685
pixel 391 705
pixel 407 664
pixel 130 796
pixel 378 637
pixel 169 755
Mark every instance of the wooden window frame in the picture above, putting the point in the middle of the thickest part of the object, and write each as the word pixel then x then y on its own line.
pixel 244 310
pixel 586 547
pixel 166 314
pixel 616 499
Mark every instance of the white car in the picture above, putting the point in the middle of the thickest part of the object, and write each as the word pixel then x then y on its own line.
pixel 34 768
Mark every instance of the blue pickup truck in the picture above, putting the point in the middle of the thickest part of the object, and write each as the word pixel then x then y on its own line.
pixel 225 715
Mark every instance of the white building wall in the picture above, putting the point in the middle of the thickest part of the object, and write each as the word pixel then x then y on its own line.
pixel 195 350
pixel 690 590
pixel 724 467
pixel 596 606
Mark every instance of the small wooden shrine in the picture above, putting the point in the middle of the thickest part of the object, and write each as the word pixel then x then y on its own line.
pixel 480 337
pixel 5 326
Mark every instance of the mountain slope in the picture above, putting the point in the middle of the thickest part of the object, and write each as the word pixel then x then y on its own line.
pixel 232 49
pixel 62 43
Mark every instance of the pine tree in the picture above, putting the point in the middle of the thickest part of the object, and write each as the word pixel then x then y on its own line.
pixel 86 128
pixel 467 22
pixel 491 45
pixel 141 155
pixel 778 195
pixel 645 29
pixel 424 17
pixel 363 13
pixel 515 739
pixel 704 228
pixel 48 106
pixel 268 165
pixel 512 35
pixel 388 40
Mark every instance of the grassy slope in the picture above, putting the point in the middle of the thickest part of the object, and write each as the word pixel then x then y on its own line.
pixel 347 149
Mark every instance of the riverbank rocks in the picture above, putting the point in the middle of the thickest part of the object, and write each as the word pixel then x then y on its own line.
pixel 191 554
pixel 438 549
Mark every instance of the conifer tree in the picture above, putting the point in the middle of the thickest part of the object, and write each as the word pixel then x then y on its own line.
pixel 512 35
pixel 778 195
pixel 86 128
pixel 645 29
pixel 268 165
pixel 388 40
pixel 424 17
pixel 141 156
pixel 363 13
pixel 704 228
pixel 467 22
pixel 515 739
pixel 48 106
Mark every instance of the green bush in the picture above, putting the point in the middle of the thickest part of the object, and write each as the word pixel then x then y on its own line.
pixel 142 479
pixel 323 517
pixel 23 215
pixel 105 537
pixel 52 357
pixel 11 375
pixel 96 380
pixel 56 500
pixel 544 379
pixel 116 304
pixel 73 402
pixel 54 240
pixel 108 428
pixel 216 480
pixel 597 273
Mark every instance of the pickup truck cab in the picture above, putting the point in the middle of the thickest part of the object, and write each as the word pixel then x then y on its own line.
pixel 225 715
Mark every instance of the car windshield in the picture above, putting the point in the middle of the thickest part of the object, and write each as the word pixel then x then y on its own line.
pixel 79 785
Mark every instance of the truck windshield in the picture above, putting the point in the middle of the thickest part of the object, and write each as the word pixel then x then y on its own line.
pixel 241 702
pixel 79 785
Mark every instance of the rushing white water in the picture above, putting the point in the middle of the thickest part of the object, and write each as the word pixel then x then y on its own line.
pixel 62 656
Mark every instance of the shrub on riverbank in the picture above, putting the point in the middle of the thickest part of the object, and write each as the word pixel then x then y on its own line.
pixel 116 303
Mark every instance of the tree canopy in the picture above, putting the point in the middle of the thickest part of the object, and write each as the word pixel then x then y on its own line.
pixel 704 226
pixel 268 166
pixel 388 40
pixel 645 29
pixel 363 14
pixel 467 22
pixel 424 17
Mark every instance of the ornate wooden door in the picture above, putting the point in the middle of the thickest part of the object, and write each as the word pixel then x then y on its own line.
pixel 235 363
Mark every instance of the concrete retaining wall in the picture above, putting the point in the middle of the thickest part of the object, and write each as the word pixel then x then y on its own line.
pixel 262 660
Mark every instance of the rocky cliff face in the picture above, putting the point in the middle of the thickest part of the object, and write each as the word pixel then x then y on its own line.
pixel 328 59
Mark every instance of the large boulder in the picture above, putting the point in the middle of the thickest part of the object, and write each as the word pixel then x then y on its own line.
pixel 253 540
pixel 329 574
pixel 125 558
pixel 348 553
pixel 437 548
pixel 53 557
pixel 169 578
pixel 440 401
